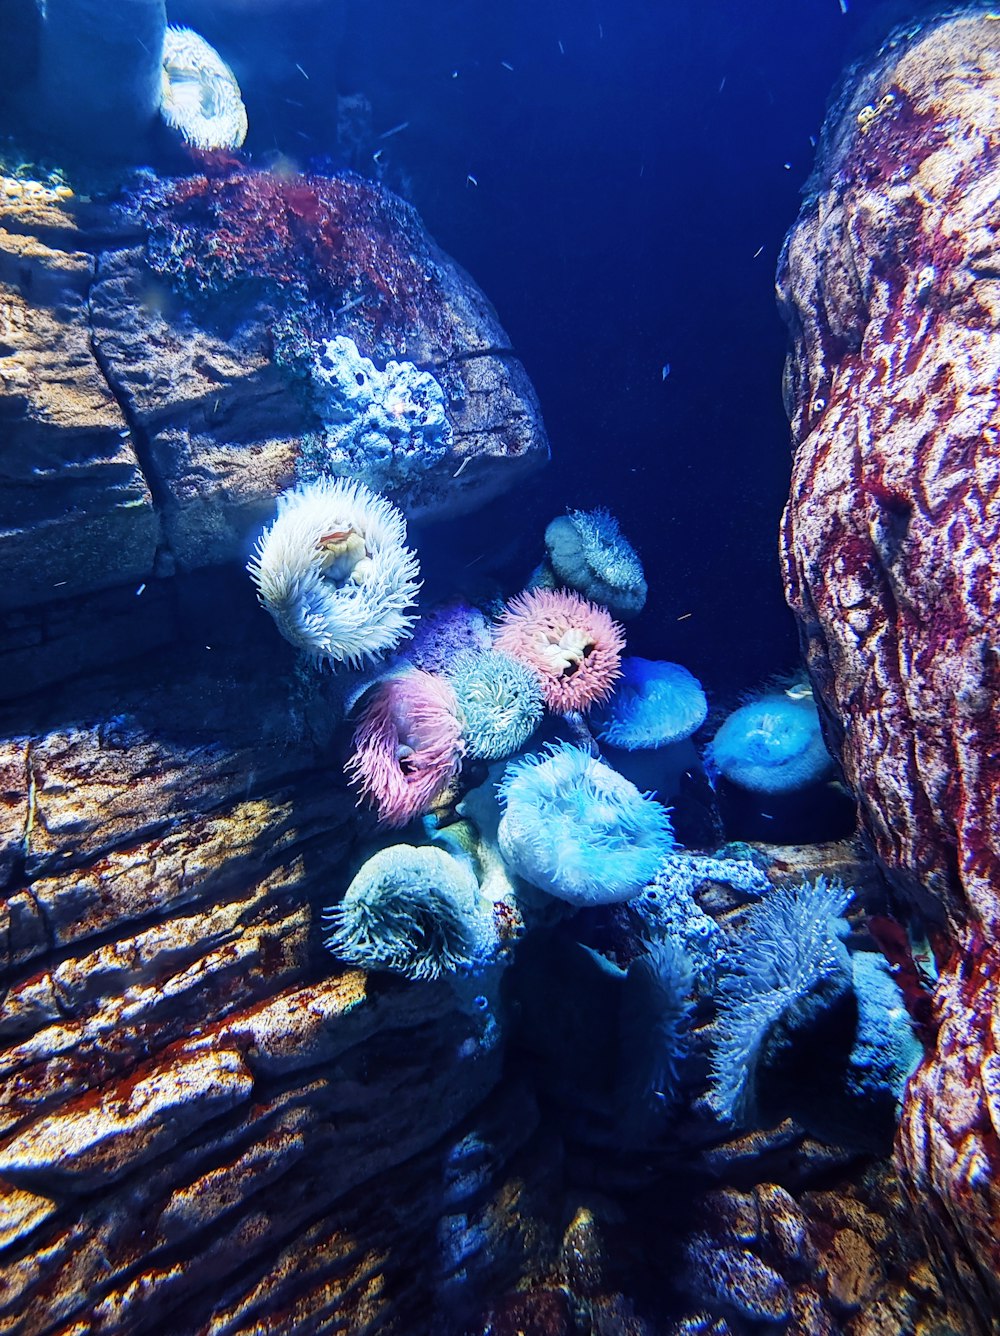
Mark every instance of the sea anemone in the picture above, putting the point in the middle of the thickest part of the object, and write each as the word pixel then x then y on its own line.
pixel 333 572
pixel 414 910
pixel 785 968
pixel 654 705
pixel 577 829
pixel 407 746
pixel 500 703
pixel 444 633
pixel 200 96
pixel 587 552
pixel 573 647
pixel 772 745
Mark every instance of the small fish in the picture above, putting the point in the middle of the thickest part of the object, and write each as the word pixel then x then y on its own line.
pixel 470 180
pixel 665 371
pixel 348 306
pixel 843 6
pixel 139 590
pixel 334 539
pixel 562 49
pixel 758 251
pixel 301 70
pixel 396 129
pixel 684 616
pixel 507 65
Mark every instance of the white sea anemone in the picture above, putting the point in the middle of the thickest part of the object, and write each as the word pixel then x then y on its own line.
pixel 335 574
pixel 200 96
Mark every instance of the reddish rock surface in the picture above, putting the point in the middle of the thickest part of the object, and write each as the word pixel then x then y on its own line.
pixel 890 284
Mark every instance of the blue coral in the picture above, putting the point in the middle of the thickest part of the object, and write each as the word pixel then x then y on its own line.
pixel 772 745
pixel 386 427
pixel 577 829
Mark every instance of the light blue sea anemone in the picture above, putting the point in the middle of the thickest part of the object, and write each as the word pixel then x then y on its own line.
pixel 577 829
pixel 500 703
pixel 588 552
pixel 654 705
pixel 772 745
pixel 416 911
pixel 786 967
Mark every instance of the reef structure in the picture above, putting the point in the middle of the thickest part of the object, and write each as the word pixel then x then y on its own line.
pixel 890 285
pixel 157 355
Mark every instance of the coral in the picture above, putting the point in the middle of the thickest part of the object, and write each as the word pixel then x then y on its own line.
pixel 573 646
pixel 575 828
pixel 200 96
pixel 319 243
pixel 654 705
pixel 500 703
pixel 407 746
pixel 383 427
pixel 446 632
pixel 786 966
pixel 414 910
pixel 587 552
pixel 333 572
pixel 772 745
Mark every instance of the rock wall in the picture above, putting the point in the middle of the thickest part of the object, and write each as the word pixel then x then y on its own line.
pixel 202 1117
pixel 890 284
pixel 147 431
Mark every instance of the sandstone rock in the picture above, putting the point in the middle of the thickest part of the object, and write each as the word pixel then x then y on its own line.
pixel 889 283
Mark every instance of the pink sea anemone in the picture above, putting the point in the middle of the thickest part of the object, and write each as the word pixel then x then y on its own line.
pixel 407 746
pixel 573 646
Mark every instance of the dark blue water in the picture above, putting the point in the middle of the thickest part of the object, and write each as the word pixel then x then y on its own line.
pixel 621 193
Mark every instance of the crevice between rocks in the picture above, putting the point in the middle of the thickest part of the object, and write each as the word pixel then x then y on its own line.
pixel 139 438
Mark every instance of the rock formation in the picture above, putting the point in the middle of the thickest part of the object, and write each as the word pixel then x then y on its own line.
pixel 188 1081
pixel 890 284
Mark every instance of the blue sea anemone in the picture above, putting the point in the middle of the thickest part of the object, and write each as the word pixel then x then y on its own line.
pixel 656 1010
pixel 654 705
pixel 500 703
pixel 772 745
pixel 786 967
pixel 414 910
pixel 588 552
pixel 577 829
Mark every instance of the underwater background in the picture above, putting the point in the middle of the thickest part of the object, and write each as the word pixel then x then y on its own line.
pixel 633 189
pixel 500 771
